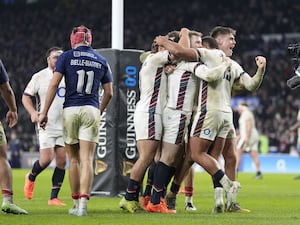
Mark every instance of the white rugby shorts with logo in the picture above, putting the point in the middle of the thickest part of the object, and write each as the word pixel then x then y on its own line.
pixel 81 123
pixel 212 124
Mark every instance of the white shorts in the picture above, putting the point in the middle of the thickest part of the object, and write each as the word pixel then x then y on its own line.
pixel 3 140
pixel 175 125
pixel 147 126
pixel 47 140
pixel 212 124
pixel 81 123
pixel 252 146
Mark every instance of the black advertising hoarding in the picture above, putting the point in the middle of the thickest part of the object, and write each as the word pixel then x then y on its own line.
pixel 116 151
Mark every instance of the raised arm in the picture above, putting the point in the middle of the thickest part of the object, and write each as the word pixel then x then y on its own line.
pixel 177 50
pixel 253 83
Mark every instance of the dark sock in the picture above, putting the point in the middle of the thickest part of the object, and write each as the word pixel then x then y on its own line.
pixel 217 177
pixel 36 170
pixel 57 180
pixel 161 175
pixel 170 175
pixel 149 184
pixel 132 191
pixel 175 188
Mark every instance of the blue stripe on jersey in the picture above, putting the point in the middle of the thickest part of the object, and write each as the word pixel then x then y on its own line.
pixel 3 74
pixel 84 71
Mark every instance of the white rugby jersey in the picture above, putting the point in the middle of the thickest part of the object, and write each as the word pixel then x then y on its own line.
pixel 244 117
pixel 38 86
pixel 217 95
pixel 153 83
pixel 181 89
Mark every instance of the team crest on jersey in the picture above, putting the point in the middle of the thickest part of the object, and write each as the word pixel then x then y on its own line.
pixel 76 54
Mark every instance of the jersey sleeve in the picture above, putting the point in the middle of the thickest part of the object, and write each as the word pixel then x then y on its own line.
pixel 31 88
pixel 3 74
pixel 107 78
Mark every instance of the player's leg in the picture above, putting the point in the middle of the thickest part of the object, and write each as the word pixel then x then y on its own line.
pixel 58 175
pixel 164 171
pixel 87 149
pixel 46 156
pixel 189 190
pixel 6 179
pixel 147 150
pixel 74 174
pixel 255 159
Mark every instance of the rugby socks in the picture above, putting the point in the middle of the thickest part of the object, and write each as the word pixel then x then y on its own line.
pixel 148 188
pixel 57 180
pixel 132 192
pixel 170 175
pixel 36 170
pixel 83 200
pixel 75 197
pixel 162 173
pixel 175 188
pixel 189 191
pixel 7 196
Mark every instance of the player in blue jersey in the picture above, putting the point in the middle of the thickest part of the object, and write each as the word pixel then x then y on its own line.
pixel 5 170
pixel 84 71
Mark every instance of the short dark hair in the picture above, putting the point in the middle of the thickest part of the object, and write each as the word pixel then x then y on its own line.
pixel 54 48
pixel 173 36
pixel 211 42
pixel 220 30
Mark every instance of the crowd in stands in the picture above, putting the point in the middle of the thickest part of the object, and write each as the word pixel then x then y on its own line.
pixel 263 27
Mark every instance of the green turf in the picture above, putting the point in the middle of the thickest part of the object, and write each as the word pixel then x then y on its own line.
pixel 273 200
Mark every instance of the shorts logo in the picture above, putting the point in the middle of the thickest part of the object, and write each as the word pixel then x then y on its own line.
pixel 206 131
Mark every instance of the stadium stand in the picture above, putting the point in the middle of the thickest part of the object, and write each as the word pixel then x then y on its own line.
pixel 28 28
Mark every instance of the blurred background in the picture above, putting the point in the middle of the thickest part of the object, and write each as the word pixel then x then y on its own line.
pixel 264 27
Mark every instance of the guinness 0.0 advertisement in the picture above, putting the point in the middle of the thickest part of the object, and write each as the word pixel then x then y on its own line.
pixel 116 151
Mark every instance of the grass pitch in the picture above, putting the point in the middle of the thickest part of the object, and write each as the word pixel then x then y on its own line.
pixel 273 200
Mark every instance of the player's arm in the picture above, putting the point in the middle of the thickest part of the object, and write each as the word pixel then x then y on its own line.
pixel 253 83
pixel 10 100
pixel 177 50
pixel 208 74
pixel 52 88
pixel 28 105
pixel 107 95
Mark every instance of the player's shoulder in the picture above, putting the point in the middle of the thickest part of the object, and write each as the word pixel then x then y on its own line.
pixel 42 73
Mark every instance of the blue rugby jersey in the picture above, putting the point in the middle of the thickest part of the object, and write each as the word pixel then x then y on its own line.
pixel 84 71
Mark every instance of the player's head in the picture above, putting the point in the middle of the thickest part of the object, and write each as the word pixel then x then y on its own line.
pixel 195 39
pixel 242 107
pixel 172 36
pixel 80 35
pixel 52 55
pixel 209 42
pixel 225 37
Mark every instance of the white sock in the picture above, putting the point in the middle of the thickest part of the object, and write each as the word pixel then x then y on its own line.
pixel 83 204
pixel 226 182
pixel 189 199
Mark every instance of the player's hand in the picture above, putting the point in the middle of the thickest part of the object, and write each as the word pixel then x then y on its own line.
pixel 184 31
pixel 11 118
pixel 159 40
pixel 260 62
pixel 168 69
pixel 34 117
pixel 43 119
